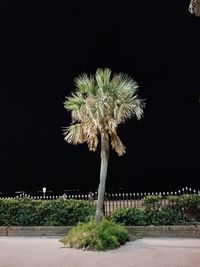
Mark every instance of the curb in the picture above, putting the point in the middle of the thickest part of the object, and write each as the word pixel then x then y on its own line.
pixel 182 231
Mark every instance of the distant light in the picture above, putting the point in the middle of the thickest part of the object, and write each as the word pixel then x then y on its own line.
pixel 44 189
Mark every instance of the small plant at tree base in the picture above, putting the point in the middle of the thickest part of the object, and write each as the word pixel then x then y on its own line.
pixel 91 236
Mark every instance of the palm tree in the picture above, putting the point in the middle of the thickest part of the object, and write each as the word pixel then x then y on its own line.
pixel 98 105
pixel 194 7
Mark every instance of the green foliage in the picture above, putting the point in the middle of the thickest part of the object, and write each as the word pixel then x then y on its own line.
pixel 167 215
pixel 157 214
pixel 92 236
pixel 178 208
pixel 189 205
pixel 17 212
pixel 189 201
pixel 129 216
pixel 152 201
pixel 29 212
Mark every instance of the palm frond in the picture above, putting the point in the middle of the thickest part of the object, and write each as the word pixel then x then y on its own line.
pixel 138 107
pixel 86 84
pixel 194 7
pixel 123 86
pixel 92 142
pixel 117 144
pixel 74 102
pixel 74 134
pixel 103 78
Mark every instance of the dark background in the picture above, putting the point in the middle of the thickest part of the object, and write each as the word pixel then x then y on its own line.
pixel 47 44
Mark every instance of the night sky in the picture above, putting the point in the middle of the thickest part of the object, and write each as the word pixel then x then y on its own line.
pixel 47 44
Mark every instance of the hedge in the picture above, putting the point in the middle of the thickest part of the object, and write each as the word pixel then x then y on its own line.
pixel 29 212
pixel 176 210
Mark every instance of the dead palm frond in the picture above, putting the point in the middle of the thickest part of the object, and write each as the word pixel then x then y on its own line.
pixel 194 7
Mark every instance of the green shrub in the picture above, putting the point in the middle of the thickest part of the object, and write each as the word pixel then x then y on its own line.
pixel 129 216
pixel 189 201
pixel 164 216
pixel 17 212
pixel 29 212
pixel 67 212
pixel 92 236
pixel 178 208
pixel 189 205
pixel 167 215
pixel 152 201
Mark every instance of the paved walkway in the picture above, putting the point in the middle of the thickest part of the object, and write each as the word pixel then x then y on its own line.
pixel 146 252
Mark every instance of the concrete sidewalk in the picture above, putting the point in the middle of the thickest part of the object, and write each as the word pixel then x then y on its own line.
pixel 146 252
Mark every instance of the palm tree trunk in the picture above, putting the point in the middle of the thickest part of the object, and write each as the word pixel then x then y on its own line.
pixel 103 175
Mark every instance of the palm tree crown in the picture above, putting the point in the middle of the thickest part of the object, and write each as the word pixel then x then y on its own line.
pixel 99 104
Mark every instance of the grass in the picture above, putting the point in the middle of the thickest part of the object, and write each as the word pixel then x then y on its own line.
pixel 91 236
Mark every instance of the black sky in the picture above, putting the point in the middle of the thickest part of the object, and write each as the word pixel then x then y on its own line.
pixel 47 44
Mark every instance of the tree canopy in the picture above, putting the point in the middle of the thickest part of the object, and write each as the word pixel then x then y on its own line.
pixel 100 103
